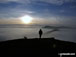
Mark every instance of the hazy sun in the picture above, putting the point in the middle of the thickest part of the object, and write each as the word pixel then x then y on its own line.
pixel 26 19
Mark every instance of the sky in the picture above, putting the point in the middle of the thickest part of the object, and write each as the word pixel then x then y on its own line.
pixel 52 12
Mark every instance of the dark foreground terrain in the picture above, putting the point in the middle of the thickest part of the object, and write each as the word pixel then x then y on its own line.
pixel 45 47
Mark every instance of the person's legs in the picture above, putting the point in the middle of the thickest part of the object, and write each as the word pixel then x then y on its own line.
pixel 40 35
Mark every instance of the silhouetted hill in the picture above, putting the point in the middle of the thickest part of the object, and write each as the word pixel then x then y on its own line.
pixel 37 46
pixel 58 27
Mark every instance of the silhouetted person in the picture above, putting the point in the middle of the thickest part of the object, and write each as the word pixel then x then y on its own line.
pixel 40 33
pixel 25 37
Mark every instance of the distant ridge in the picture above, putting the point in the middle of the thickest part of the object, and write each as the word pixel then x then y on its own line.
pixel 54 27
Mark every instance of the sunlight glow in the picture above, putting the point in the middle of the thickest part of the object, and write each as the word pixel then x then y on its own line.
pixel 26 19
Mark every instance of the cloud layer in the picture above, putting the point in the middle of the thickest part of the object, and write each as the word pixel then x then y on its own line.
pixel 52 11
pixel 57 2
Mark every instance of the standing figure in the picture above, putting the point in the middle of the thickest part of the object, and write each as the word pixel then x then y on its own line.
pixel 40 33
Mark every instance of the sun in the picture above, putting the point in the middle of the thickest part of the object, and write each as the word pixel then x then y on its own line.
pixel 26 19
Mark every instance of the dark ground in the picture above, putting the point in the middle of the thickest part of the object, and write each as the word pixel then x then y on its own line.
pixel 45 47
